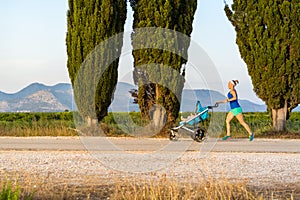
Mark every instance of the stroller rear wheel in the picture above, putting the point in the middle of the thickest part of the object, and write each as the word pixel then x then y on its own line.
pixel 172 135
pixel 199 135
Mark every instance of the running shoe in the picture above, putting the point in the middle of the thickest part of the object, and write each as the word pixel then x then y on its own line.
pixel 251 137
pixel 227 137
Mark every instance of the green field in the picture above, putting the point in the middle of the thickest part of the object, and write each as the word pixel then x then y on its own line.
pixel 37 124
pixel 62 124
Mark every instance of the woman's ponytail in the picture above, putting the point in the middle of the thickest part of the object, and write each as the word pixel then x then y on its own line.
pixel 234 82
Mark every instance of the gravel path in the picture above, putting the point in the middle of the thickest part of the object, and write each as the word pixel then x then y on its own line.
pixel 255 168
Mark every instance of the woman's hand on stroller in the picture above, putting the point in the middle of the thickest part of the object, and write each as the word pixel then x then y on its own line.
pixel 214 106
pixel 219 102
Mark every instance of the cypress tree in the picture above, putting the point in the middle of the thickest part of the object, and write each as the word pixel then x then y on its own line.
pixel 268 37
pixel 90 23
pixel 176 15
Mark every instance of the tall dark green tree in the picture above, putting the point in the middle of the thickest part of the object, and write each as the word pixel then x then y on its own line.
pixel 175 15
pixel 268 37
pixel 90 23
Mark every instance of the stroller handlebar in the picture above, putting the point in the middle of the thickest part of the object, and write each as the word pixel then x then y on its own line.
pixel 214 106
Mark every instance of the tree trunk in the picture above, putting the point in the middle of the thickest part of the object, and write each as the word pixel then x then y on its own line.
pixel 90 121
pixel 279 118
pixel 158 117
pixel 159 114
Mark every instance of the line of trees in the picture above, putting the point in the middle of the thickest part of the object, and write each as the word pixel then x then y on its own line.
pixel 267 35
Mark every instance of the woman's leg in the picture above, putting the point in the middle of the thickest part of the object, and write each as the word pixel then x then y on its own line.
pixel 229 117
pixel 240 117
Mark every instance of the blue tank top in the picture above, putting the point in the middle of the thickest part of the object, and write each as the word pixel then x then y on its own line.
pixel 235 103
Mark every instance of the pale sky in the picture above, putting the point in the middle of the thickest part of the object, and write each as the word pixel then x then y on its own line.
pixel 32 46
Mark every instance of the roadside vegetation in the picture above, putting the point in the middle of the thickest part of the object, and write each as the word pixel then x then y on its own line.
pixel 117 124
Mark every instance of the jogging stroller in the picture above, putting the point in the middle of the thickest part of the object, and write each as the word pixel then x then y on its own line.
pixel 197 133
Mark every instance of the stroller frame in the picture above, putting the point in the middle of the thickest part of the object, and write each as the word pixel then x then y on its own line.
pixel 198 133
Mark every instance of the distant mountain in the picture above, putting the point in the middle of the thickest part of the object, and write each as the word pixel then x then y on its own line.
pixel 38 98
pixel 209 97
pixel 41 98
pixel 123 101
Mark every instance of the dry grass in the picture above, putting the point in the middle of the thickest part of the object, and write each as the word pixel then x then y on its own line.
pixel 171 189
pixel 37 131
pixel 139 189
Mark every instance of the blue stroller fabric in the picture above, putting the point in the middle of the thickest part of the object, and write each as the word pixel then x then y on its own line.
pixel 203 116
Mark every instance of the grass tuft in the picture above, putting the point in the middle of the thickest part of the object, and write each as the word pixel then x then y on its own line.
pixel 10 191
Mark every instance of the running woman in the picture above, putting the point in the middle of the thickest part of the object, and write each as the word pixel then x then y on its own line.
pixel 236 110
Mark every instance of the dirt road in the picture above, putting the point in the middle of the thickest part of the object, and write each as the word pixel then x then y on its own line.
pixel 146 144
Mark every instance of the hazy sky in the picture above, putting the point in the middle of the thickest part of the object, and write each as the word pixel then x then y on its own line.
pixel 32 45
